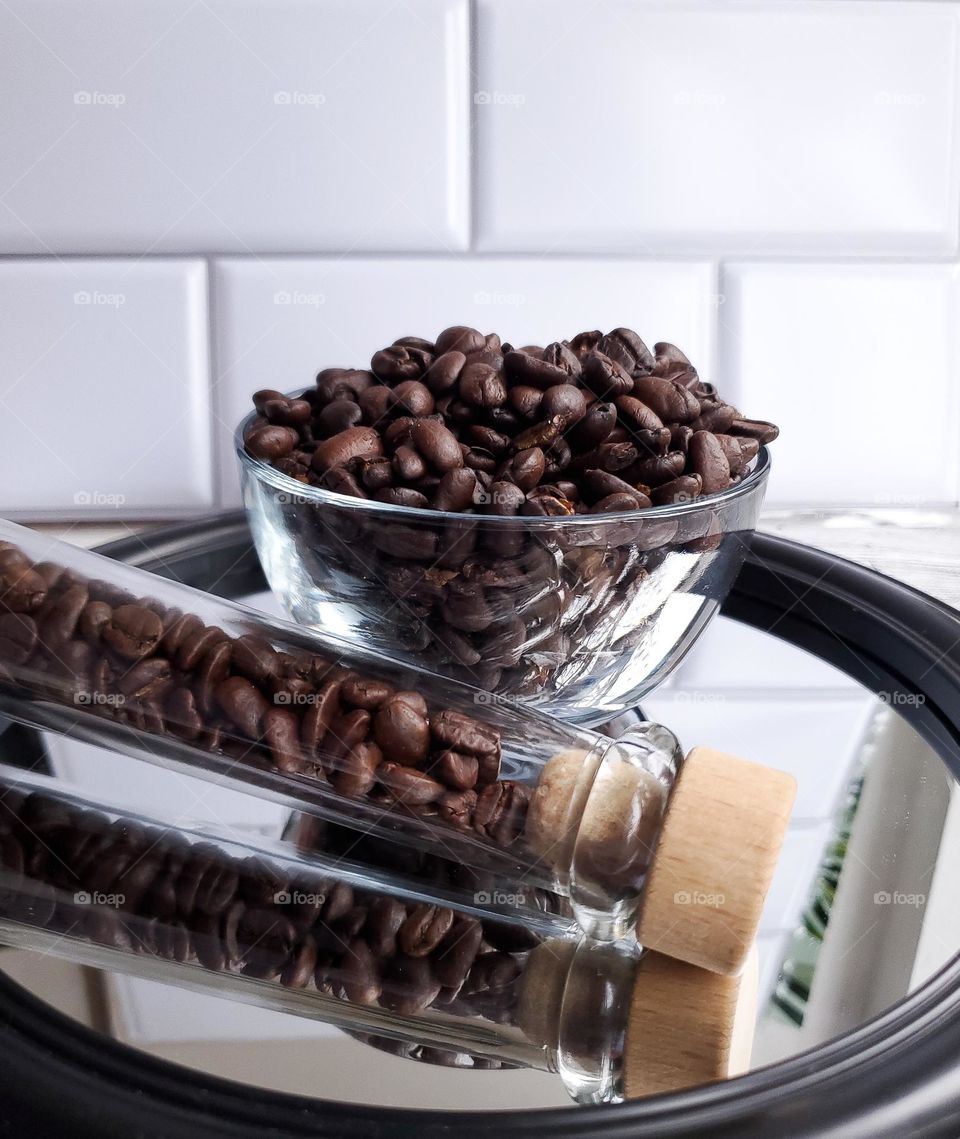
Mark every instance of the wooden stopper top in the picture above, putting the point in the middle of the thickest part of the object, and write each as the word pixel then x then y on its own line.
pixel 714 860
pixel 687 1026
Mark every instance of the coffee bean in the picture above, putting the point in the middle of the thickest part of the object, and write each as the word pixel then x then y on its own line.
pixel 460 338
pixel 243 704
pixel 628 350
pixel 667 399
pixel 346 446
pixel 357 771
pixel 437 444
pixel 408 785
pixel 18 638
pixel 132 631
pixel 402 733
pixel 682 489
pixel 268 443
pixel 409 985
pixel 424 928
pixel 462 733
pixel 457 770
pixel 763 433
pixel 482 386
pixel 443 373
pixel 707 460
pixel 605 377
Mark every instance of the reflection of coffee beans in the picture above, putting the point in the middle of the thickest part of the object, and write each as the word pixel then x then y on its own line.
pixel 468 426
pixel 147 892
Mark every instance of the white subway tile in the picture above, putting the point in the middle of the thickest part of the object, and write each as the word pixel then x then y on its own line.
pixel 757 127
pixel 817 741
pixel 171 126
pixel 105 392
pixel 279 321
pixel 857 364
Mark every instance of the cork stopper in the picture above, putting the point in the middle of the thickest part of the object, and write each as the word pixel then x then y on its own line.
pixel 687 1026
pixel 714 860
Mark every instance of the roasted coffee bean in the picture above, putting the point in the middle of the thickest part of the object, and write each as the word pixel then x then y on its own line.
pixel 132 631
pixel 443 373
pixel 287 412
pixel 408 785
pixel 402 733
pixel 628 350
pixel 437 444
pixel 526 468
pixel 147 680
pixel 345 447
pixel 268 442
pixel 457 952
pixel 357 771
pixel 243 703
pixel 605 377
pixel 481 386
pixel 462 733
pixel 424 928
pixel 409 985
pixel 359 975
pixel 338 416
pixel 456 769
pixel 683 489
pixel 384 920
pixel 707 459
pixel 460 338
pixel 281 732
pixel 667 399
pixel 764 433
pixel 565 403
pixel 456 808
pixel 597 425
pixel 18 638
pixel 412 398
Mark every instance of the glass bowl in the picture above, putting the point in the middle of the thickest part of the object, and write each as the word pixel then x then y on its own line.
pixel 581 614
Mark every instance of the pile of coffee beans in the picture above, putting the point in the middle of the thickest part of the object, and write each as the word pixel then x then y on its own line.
pixel 511 443
pixel 467 424
pixel 89 645
pixel 146 891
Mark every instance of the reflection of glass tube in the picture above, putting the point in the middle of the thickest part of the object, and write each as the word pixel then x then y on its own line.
pixel 260 925
pixel 123 658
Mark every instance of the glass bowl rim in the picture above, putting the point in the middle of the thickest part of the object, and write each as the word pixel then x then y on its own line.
pixel 752 483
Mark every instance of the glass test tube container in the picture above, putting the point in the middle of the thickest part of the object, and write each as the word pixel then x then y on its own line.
pixel 635 837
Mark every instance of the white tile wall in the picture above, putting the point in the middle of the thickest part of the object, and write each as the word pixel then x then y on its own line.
pixel 756 127
pixel 843 358
pixel 771 183
pixel 104 393
pixel 166 125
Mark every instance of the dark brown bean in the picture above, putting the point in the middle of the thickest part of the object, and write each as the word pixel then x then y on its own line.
pixel 437 444
pixel 243 704
pixel 354 443
pixel 409 785
pixel 402 733
pixel 424 928
pixel 707 460
pixel 132 631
